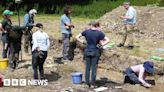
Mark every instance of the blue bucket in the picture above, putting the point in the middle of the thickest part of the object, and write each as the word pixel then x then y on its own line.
pixel 76 77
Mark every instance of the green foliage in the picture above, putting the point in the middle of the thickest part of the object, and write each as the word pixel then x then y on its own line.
pixel 82 8
pixel 143 2
pixel 99 7
pixel 161 2
pixel 96 9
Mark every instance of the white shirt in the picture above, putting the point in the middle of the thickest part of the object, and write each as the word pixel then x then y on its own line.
pixel 40 40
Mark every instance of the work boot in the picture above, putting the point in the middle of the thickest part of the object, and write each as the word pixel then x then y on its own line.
pixel 120 45
pixel 130 47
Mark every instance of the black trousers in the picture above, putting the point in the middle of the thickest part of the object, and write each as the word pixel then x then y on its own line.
pixel 37 63
pixel 15 48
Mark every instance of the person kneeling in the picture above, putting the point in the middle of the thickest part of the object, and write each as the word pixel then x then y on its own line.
pixel 137 74
pixel 40 47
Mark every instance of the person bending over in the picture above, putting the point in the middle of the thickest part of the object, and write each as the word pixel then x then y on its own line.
pixel 137 74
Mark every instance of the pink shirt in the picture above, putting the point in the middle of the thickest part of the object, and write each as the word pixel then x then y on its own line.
pixel 140 70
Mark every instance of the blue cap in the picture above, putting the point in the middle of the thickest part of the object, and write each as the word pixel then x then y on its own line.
pixel 149 67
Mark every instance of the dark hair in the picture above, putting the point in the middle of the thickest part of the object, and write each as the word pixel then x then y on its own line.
pixel 39 25
pixel 67 9
pixel 98 24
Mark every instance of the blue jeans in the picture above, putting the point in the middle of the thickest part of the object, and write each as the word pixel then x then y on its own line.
pixel 131 77
pixel 66 43
pixel 91 60
pixel 38 62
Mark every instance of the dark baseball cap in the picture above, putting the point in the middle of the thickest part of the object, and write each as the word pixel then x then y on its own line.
pixel 39 25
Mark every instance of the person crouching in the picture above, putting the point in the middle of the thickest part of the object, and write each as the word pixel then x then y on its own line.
pixel 137 74
pixel 40 47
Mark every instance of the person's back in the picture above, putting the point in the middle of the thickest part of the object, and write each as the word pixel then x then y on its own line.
pixel 137 74
pixel 92 52
pixel 28 21
pixel 137 68
pixel 41 38
pixel 93 38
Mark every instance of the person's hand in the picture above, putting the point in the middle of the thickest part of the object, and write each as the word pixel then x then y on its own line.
pixel 72 26
pixel 147 85
pixel 33 25
pixel 37 49
pixel 40 54
pixel 122 17
pixel 5 31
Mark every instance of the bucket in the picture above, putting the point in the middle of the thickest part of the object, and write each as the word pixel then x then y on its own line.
pixel 76 77
pixel 3 64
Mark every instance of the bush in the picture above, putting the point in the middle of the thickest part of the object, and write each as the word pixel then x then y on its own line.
pixel 82 8
pixel 100 7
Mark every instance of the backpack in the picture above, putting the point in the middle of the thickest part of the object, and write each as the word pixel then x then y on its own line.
pixel 16 32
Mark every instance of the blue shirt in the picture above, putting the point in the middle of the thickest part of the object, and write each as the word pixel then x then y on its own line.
pixel 131 12
pixel 28 21
pixel 65 20
pixel 93 38
pixel 40 40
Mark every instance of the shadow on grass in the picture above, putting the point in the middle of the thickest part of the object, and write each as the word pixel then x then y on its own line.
pixel 53 76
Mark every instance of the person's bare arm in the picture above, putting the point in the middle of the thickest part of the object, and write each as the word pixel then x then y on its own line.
pixel 141 78
pixel 78 38
pixel 126 17
pixel 105 41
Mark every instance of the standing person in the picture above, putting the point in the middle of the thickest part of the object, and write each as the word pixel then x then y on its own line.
pixel 15 36
pixel 6 27
pixel 66 30
pixel 40 47
pixel 130 19
pixel 29 22
pixel 137 74
pixel 94 39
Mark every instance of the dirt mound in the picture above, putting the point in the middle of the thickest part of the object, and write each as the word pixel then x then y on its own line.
pixel 150 21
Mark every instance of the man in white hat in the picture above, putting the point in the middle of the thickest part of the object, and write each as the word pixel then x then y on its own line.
pixel 29 22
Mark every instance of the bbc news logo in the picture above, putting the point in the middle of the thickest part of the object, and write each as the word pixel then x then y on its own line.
pixel 24 82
